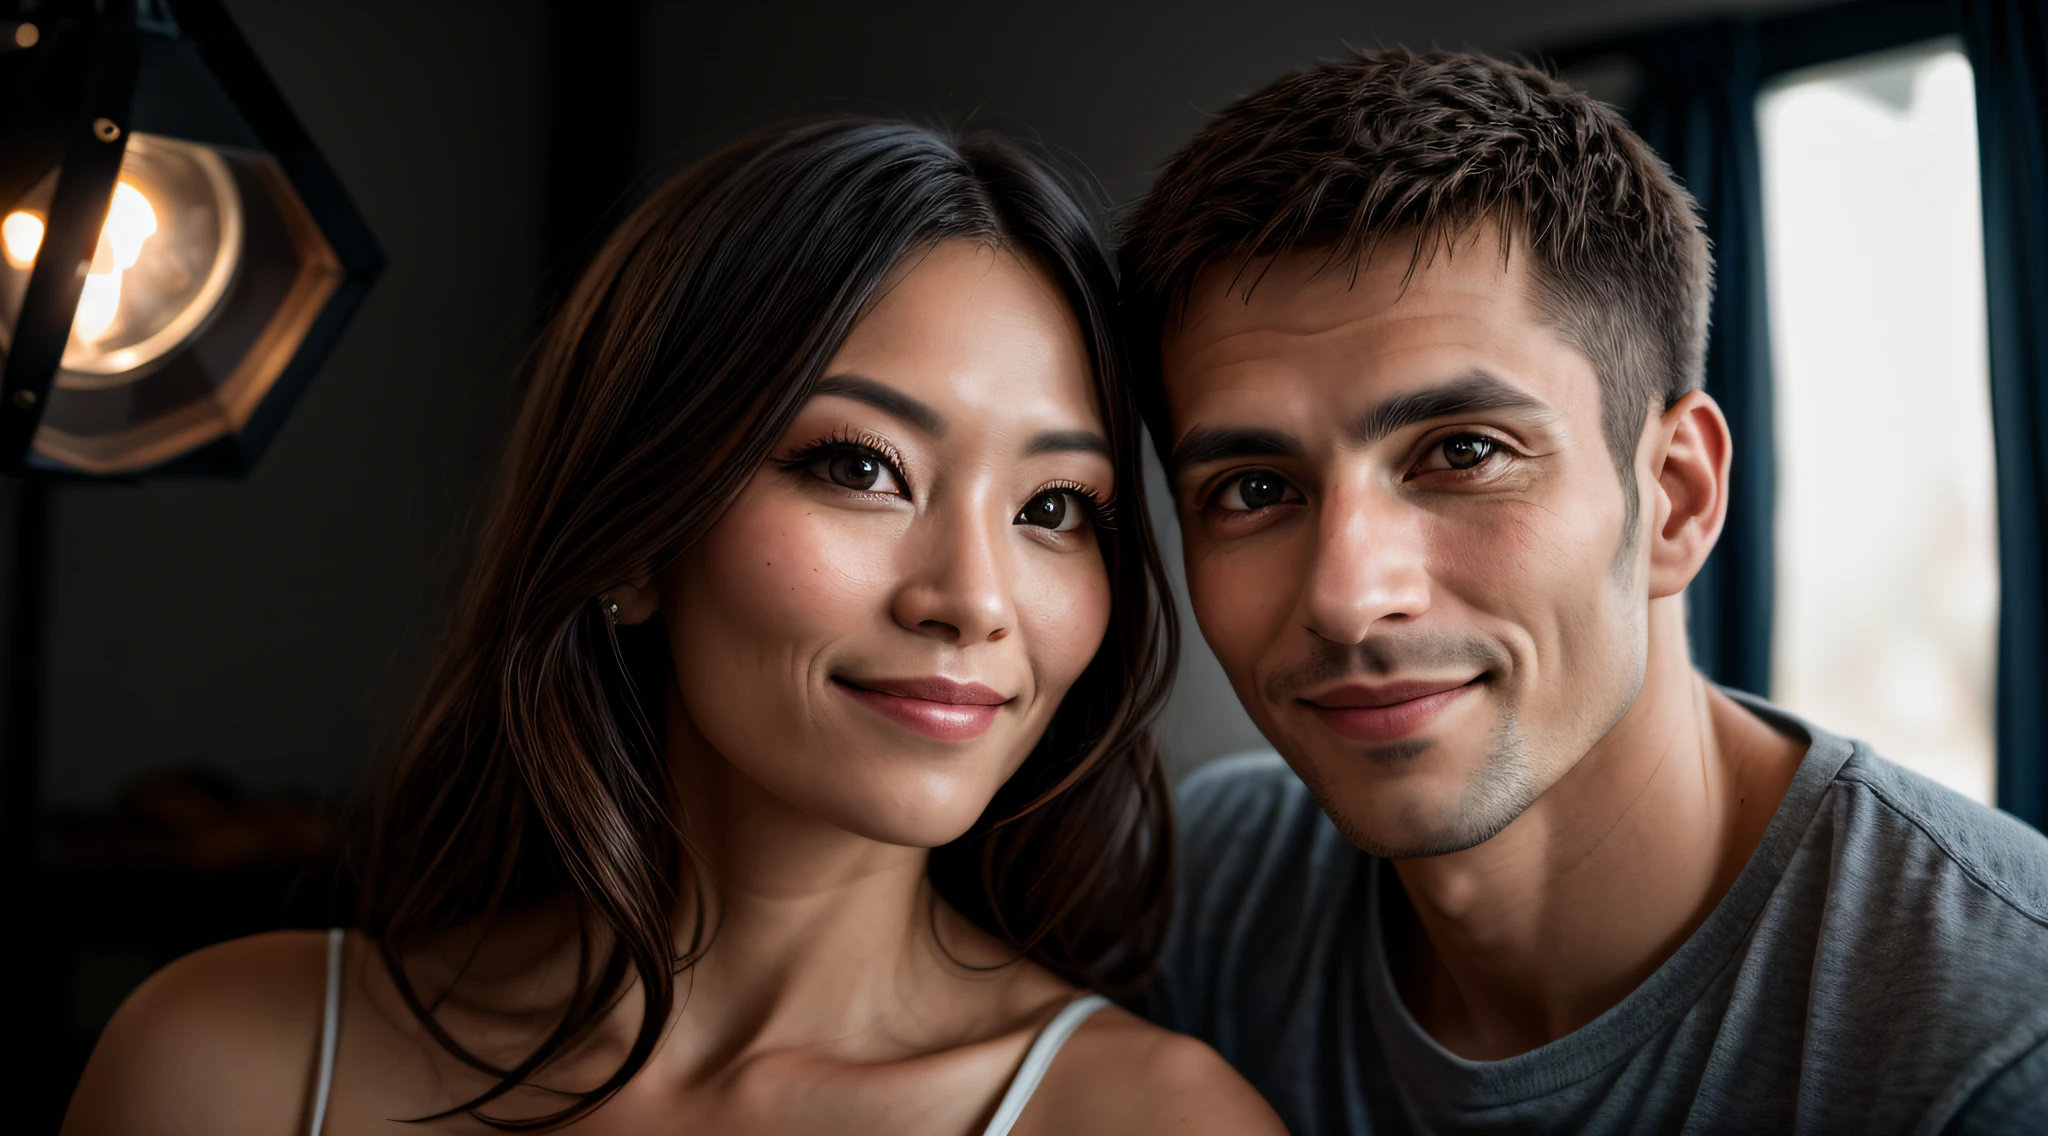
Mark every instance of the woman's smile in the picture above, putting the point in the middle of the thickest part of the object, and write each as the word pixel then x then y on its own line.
pixel 938 707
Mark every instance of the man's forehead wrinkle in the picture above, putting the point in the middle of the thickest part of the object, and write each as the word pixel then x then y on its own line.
pixel 1309 318
pixel 1276 340
pixel 1271 361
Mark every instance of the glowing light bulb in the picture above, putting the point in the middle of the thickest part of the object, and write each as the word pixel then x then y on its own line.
pixel 98 302
pixel 130 223
pixel 22 234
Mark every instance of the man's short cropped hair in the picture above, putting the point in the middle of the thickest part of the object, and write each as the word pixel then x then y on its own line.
pixel 1423 146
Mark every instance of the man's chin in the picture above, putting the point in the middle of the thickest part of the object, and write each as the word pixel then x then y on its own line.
pixel 1396 800
pixel 1404 839
pixel 1414 845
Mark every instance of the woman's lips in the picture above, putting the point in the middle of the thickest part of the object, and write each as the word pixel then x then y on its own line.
pixel 1387 712
pixel 932 705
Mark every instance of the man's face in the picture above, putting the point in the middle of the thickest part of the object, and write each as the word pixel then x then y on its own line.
pixel 1404 534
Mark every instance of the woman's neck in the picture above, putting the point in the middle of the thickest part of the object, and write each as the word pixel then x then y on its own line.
pixel 816 934
pixel 816 940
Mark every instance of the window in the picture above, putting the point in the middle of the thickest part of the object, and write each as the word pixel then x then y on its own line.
pixel 1887 571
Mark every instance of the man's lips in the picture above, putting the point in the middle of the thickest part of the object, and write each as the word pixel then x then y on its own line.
pixel 1385 712
pixel 933 705
pixel 1365 695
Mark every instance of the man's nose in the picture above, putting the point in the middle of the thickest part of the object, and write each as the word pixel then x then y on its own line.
pixel 958 585
pixel 1370 564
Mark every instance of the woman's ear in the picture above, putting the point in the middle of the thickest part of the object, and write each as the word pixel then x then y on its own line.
pixel 1689 455
pixel 636 600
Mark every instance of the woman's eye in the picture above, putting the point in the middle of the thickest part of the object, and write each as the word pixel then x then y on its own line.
pixel 1054 509
pixel 861 472
pixel 1252 492
pixel 1462 451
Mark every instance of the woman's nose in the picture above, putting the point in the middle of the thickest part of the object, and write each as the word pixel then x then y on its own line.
pixel 959 584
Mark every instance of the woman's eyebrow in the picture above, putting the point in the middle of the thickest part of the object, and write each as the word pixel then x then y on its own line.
pixel 1070 442
pixel 886 399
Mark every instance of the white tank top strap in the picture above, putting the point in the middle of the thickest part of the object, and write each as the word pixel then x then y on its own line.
pixel 1038 1059
pixel 330 1029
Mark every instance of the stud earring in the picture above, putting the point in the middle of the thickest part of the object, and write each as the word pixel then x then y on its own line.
pixel 611 610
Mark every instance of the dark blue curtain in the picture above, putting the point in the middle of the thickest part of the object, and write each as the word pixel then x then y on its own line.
pixel 2008 45
pixel 1697 107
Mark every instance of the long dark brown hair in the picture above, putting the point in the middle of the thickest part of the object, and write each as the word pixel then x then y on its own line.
pixel 532 770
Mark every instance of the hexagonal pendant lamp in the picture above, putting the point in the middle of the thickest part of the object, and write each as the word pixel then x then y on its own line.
pixel 178 258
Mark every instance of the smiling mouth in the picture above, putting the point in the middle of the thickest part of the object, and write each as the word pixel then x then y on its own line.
pixel 1386 712
pixel 936 707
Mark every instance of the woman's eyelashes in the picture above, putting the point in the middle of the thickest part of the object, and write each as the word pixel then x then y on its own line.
pixel 1064 507
pixel 866 467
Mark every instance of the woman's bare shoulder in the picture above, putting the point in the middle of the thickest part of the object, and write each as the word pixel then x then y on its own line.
pixel 223 1040
pixel 1120 1073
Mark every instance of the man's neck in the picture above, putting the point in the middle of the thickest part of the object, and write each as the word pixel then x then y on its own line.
pixel 1520 940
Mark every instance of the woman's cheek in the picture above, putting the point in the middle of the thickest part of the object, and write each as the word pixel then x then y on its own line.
pixel 790 569
pixel 1065 601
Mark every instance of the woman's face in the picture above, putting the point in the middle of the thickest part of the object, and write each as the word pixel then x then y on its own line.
pixel 881 626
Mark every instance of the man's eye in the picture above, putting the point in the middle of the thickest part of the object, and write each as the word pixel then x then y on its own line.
pixel 1252 492
pixel 1462 451
pixel 1054 510
pixel 857 470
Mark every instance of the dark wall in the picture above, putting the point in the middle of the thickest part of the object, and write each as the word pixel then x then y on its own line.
pixel 266 627
pixel 270 628
pixel 1119 85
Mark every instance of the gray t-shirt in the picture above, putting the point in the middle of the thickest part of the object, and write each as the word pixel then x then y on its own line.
pixel 1881 965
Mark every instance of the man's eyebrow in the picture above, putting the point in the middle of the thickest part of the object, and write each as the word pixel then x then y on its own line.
pixel 1205 444
pixel 1069 442
pixel 886 399
pixel 1471 391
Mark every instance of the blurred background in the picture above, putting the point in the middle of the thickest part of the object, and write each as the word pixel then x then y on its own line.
pixel 224 659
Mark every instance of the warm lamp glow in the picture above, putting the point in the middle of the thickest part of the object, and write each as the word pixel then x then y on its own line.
pixel 166 257
pixel 22 234
pixel 130 223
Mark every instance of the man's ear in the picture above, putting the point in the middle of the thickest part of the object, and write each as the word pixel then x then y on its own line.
pixel 1689 451
pixel 638 600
